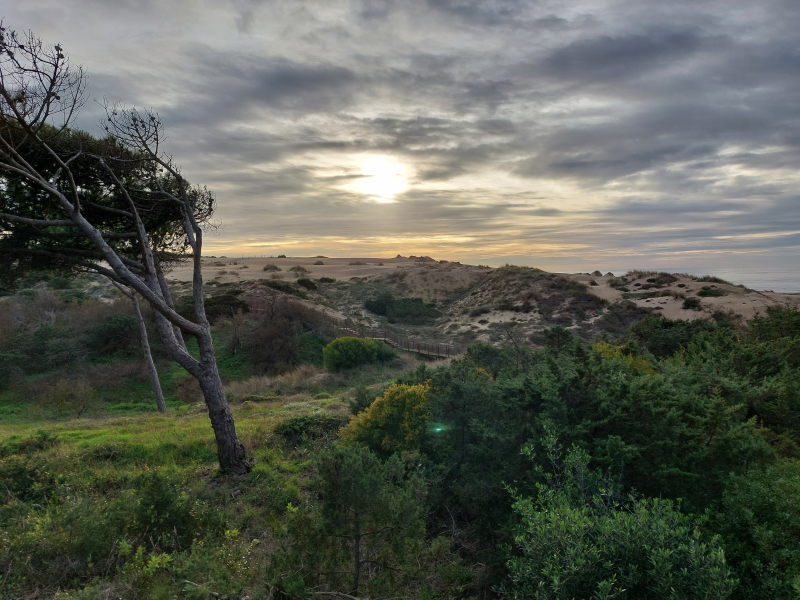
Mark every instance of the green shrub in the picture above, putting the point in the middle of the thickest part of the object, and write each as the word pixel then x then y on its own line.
pixel 308 348
pixel 49 347
pixel 285 287
pixel 224 305
pixel 692 304
pixel 347 352
pixel 60 282
pixel 72 540
pixel 326 280
pixel 711 291
pixel 271 268
pixel 272 345
pixel 363 531
pixel 577 540
pixel 481 310
pixel 395 421
pixel 620 316
pixel 217 307
pixel 660 280
pixel 307 283
pixel 380 304
pixel 25 480
pixel 760 525
pixel 114 334
pixel 166 516
pixel 41 441
pixel 68 397
pixel 712 279
pixel 299 430
pixel 412 311
pixel 360 400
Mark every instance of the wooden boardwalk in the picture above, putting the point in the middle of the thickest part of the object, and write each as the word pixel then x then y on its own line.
pixel 323 321
pixel 409 344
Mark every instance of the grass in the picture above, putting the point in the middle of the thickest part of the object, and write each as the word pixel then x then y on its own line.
pixel 74 490
pixel 86 475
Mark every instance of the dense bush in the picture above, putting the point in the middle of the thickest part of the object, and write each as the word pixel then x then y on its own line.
pixel 395 421
pixel 363 534
pixel 361 399
pixel 664 337
pixel 114 334
pixel 224 305
pixel 65 397
pixel 305 428
pixel 285 287
pixel 307 283
pixel 271 344
pixel 347 352
pixel 577 537
pixel 692 304
pixel 620 316
pixel 682 474
pixel 411 311
pixel 218 307
pixel 711 291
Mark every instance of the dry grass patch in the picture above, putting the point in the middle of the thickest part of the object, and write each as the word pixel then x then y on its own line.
pixel 304 378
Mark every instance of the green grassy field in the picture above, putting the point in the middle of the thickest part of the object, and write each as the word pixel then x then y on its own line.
pixel 124 502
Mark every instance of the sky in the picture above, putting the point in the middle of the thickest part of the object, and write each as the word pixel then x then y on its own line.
pixel 572 136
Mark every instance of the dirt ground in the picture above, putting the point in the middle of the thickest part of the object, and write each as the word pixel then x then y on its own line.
pixel 736 299
pixel 228 270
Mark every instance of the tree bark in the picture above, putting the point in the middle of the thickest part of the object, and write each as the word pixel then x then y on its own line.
pixel 36 84
pixel 230 452
pixel 152 372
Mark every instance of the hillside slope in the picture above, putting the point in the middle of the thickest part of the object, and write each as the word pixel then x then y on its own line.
pixel 465 303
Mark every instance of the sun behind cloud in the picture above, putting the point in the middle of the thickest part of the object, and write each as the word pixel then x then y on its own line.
pixel 382 178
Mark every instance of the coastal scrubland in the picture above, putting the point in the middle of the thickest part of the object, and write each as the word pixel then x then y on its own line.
pixel 644 458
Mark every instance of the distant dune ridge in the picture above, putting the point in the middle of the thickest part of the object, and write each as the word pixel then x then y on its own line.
pixel 466 303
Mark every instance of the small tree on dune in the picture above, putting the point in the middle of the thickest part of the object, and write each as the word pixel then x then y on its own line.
pixel 117 206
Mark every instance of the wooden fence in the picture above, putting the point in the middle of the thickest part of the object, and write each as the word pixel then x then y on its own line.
pixel 348 327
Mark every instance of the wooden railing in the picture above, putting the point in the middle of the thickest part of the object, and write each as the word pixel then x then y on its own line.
pixel 334 326
pixel 348 327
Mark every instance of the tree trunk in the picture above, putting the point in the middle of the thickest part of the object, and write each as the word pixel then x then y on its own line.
pixel 357 557
pixel 148 357
pixel 231 454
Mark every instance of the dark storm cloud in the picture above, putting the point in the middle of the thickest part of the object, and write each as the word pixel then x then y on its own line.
pixel 482 12
pixel 607 59
pixel 246 84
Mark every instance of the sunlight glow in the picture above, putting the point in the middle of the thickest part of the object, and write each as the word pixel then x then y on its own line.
pixel 382 178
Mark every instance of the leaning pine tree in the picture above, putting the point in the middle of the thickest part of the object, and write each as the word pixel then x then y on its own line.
pixel 117 206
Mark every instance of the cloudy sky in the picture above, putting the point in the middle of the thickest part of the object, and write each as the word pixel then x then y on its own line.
pixel 568 135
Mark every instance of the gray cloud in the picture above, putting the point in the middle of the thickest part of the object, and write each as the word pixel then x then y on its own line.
pixel 608 59
pixel 595 127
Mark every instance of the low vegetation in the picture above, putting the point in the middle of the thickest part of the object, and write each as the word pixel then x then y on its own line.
pixel 661 462
pixel 410 311
pixel 349 352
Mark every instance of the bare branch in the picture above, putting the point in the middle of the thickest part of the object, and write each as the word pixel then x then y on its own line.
pixel 50 179
pixel 37 222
